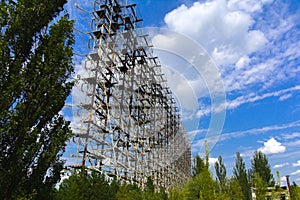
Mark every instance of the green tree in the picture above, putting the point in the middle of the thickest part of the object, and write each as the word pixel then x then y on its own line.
pixel 199 165
pixel 240 174
pixel 85 185
pixel 235 191
pixel 259 186
pixel 260 165
pixel 98 187
pixel 202 186
pixel 295 190
pixel 149 186
pixel 206 185
pixel 163 194
pixel 114 187
pixel 35 66
pixel 150 193
pixel 134 192
pixel 177 193
pixel 123 191
pixel 76 186
pixel 221 172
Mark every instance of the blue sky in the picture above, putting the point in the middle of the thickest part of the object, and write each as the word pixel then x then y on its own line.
pixel 254 50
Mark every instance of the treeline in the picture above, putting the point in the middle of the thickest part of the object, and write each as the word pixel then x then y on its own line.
pixel 203 184
pixel 93 185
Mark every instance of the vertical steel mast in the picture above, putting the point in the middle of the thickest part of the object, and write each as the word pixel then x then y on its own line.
pixel 130 127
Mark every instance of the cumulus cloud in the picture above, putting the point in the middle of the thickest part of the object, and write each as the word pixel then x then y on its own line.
pixel 280 165
pixel 232 34
pixel 224 32
pixel 200 74
pixel 272 147
pixel 297 164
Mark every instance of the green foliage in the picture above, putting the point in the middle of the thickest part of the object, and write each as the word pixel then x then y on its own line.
pixel 163 194
pixel 240 175
pixel 123 191
pixel 74 187
pixel 260 165
pixel 295 190
pixel 278 182
pixel 199 165
pixel 93 185
pixel 221 172
pixel 133 192
pixel 206 185
pixel 149 186
pixel 84 185
pixel 260 187
pixel 235 190
pixel 35 65
pixel 202 186
pixel 114 188
pixel 177 193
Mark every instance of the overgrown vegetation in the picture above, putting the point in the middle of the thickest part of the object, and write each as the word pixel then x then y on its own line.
pixel 203 185
pixel 83 184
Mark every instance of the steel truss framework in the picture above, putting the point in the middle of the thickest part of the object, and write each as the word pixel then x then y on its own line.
pixel 130 127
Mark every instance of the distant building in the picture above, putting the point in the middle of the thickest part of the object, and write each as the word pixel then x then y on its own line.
pixel 274 193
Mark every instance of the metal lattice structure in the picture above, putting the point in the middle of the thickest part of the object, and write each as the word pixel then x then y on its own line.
pixel 130 127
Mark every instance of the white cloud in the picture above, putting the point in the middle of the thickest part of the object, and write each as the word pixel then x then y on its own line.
pixel 196 133
pixel 248 153
pixel 189 59
pixel 294 143
pixel 297 164
pixel 280 165
pixel 291 136
pixel 248 5
pixel 243 62
pixel 225 30
pixel 296 172
pixel 212 161
pixel 266 129
pixel 250 98
pixel 182 88
pixel 272 147
pixel 255 97
pixel 225 33
pixel 284 97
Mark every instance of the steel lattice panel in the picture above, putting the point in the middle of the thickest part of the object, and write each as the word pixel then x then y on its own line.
pixel 130 127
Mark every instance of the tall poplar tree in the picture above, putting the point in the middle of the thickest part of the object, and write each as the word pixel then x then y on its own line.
pixel 221 172
pixel 240 174
pixel 198 166
pixel 260 165
pixel 35 66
